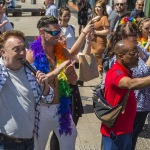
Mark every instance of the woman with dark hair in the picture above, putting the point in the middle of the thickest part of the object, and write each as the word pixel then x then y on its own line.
pixel 83 7
pixel 129 30
pixel 101 29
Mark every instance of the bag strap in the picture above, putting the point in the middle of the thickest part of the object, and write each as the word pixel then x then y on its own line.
pixel 124 101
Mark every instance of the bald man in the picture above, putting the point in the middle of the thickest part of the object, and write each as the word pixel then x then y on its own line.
pixel 117 83
pixel 138 10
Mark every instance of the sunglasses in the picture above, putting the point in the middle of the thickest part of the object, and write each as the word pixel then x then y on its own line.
pixel 121 4
pixel 53 33
pixel 134 54
pixel 141 5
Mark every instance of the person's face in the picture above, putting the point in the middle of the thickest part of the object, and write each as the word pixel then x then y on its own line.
pixel 131 57
pixel 13 52
pixel 120 6
pixel 146 29
pixel 65 16
pixel 139 5
pixel 98 9
pixel 48 2
pixel 51 34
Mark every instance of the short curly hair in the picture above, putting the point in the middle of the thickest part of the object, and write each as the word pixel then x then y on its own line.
pixel 141 23
pixel 45 21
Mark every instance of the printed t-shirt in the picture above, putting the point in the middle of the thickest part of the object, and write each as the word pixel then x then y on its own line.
pixel 113 95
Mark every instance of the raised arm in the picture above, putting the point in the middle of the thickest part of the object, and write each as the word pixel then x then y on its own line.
pixel 78 44
pixel 135 83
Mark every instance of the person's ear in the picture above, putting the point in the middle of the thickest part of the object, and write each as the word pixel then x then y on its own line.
pixel 2 52
pixel 120 56
pixel 41 32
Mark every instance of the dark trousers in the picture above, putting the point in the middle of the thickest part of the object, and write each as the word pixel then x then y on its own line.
pixel 54 143
pixel 138 125
pixel 11 145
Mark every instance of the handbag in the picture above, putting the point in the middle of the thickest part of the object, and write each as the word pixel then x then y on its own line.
pixel 88 69
pixel 106 113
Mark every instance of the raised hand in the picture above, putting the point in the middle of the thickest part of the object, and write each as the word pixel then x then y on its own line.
pixel 56 71
pixel 90 26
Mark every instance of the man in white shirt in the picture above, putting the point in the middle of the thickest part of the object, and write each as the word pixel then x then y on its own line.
pixel 108 8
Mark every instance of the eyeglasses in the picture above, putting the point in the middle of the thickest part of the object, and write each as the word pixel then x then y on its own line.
pixel 53 33
pixel 121 4
pixel 134 54
pixel 141 5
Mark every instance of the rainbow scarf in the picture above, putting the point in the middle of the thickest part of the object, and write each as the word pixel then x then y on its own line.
pixel 143 42
pixel 41 63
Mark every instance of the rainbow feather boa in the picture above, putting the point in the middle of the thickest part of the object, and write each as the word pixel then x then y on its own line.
pixel 41 63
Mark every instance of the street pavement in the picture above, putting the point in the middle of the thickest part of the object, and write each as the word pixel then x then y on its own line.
pixel 89 137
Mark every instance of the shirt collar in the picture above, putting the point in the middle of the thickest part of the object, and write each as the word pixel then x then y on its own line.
pixel 128 72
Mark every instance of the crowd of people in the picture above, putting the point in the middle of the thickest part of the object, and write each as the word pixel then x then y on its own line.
pixel 43 84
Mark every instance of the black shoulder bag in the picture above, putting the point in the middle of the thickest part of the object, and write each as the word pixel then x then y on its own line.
pixel 107 114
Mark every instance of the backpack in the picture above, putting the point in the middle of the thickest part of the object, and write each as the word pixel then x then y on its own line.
pixel 72 28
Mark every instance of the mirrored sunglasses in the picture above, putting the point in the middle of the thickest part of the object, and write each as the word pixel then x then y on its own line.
pixel 53 33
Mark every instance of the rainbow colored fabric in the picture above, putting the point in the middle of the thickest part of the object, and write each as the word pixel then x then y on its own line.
pixel 41 63
pixel 142 41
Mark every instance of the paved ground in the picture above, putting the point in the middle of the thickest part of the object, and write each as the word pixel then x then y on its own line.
pixel 89 137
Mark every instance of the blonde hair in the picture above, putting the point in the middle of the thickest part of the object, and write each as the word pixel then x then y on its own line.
pixel 141 23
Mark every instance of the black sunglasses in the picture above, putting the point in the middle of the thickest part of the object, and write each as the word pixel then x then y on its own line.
pixel 140 4
pixel 53 33
pixel 121 4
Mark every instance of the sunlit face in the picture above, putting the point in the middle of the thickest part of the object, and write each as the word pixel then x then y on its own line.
pixel 99 9
pixel 139 5
pixel 120 6
pixel 146 29
pixel 51 38
pixel 48 2
pixel 13 52
pixel 65 16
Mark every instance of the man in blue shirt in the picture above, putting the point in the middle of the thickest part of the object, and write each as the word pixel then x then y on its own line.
pixel 51 8
pixel 138 10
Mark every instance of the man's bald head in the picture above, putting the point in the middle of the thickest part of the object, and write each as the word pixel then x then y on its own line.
pixel 124 46
pixel 120 1
pixel 127 53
